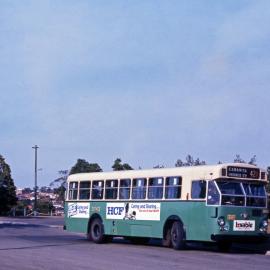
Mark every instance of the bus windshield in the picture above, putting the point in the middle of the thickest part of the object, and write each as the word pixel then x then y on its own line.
pixel 256 195
pixel 232 193
pixel 241 193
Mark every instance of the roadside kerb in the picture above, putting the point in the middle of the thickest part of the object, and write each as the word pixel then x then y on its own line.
pixel 24 224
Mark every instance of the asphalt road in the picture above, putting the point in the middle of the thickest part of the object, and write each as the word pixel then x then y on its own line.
pixel 40 243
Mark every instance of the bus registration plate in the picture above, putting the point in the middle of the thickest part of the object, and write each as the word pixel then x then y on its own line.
pixel 244 225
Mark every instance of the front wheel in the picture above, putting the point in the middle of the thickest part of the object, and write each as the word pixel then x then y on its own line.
pixel 97 231
pixel 177 236
pixel 167 241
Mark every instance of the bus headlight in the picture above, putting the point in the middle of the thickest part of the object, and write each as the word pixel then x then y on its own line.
pixel 221 221
pixel 264 225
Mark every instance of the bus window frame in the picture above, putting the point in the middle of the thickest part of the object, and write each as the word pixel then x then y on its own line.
pixel 144 186
pixel 79 190
pixel 161 186
pixel 254 197
pixel 241 181
pixel 103 190
pixel 206 189
pixel 178 186
pixel 129 187
pixel 72 189
pixel 117 189
pixel 215 183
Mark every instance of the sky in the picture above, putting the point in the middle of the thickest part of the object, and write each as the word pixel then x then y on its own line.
pixel 148 81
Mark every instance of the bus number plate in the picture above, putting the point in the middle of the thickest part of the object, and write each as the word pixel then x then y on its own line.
pixel 244 225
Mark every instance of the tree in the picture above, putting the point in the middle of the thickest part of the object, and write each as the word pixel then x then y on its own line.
pixel 45 206
pixel 118 166
pixel 82 166
pixel 45 189
pixel 7 188
pixel 189 162
pixel 60 192
pixel 158 166
pixel 27 190
pixel 238 159
pixel 253 160
pixel 59 184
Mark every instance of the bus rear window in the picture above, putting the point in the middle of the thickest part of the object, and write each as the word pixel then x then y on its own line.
pixel 73 191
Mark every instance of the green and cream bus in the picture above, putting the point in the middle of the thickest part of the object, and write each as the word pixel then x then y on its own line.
pixel 221 203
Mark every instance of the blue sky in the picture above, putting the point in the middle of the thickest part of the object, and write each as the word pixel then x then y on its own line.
pixel 147 81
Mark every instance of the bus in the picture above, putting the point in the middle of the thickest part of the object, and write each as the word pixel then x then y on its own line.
pixel 221 204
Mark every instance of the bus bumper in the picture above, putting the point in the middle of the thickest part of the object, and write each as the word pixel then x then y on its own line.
pixel 240 238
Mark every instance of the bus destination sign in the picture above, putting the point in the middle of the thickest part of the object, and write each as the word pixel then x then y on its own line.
pixel 240 172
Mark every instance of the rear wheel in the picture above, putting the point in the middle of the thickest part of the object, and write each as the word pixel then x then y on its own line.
pixel 177 235
pixel 97 231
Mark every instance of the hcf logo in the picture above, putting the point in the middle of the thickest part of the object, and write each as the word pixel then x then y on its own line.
pixel 115 211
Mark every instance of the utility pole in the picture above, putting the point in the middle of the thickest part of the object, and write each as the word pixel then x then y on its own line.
pixel 35 202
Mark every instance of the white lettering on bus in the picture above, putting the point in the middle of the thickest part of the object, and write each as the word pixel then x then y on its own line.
pixel 115 210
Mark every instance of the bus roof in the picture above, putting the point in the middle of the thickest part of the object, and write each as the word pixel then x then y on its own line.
pixel 205 172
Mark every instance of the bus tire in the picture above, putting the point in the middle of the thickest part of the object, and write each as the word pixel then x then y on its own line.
pixel 97 231
pixel 177 235
pixel 167 240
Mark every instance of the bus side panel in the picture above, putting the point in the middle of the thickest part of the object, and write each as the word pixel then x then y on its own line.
pixel 142 219
pixel 193 216
pixel 200 221
pixel 77 216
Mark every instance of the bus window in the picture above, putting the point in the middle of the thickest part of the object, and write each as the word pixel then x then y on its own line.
pixel 124 190
pixel 73 191
pixel 84 193
pixel 256 195
pixel 198 189
pixel 111 189
pixel 155 189
pixel 232 193
pixel 139 188
pixel 213 196
pixel 173 187
pixel 97 190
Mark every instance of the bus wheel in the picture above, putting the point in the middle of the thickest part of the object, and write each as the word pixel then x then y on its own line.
pixel 177 236
pixel 224 246
pixel 97 231
pixel 167 240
